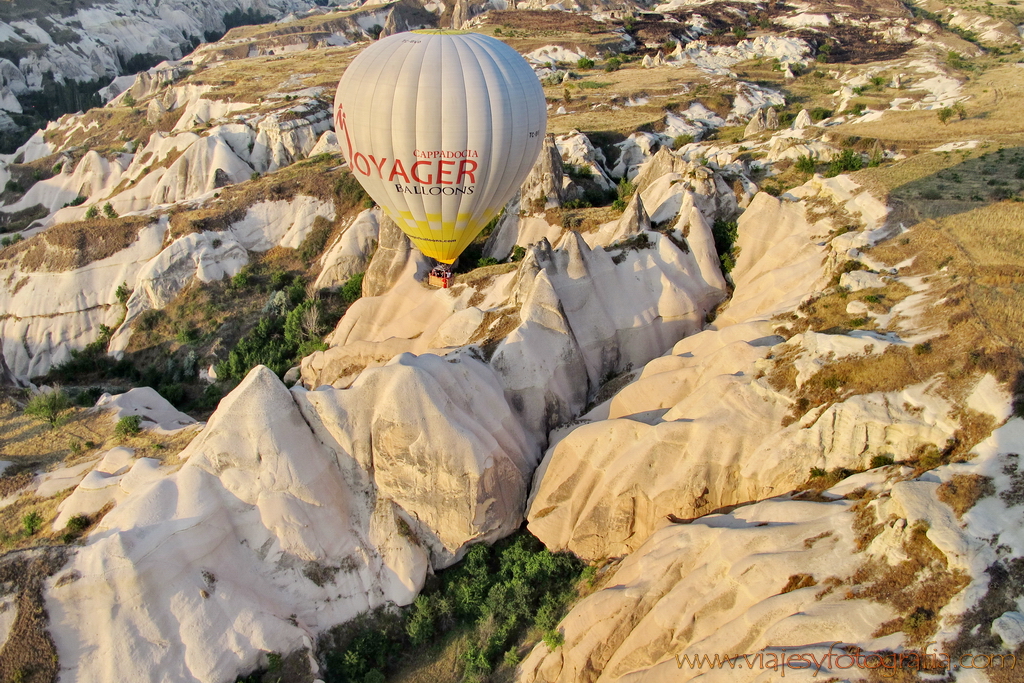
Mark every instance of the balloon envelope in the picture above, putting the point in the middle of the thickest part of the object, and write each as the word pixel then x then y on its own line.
pixel 440 128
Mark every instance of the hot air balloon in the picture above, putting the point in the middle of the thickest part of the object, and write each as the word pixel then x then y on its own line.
pixel 440 128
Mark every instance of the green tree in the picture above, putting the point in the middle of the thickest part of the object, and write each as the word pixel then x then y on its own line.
pixel 49 406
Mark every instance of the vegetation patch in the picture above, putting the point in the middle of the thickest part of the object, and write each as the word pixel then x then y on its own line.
pixel 964 490
pixel 29 655
pixel 67 246
pixel 491 606
pixel 917 588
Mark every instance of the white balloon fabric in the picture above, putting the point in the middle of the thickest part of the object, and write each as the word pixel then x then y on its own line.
pixel 440 128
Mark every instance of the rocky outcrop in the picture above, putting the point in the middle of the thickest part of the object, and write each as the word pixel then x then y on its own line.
pixel 633 221
pixel 352 252
pixel 542 189
pixel 694 590
pixel 562 312
pixel 90 43
pixel 766 118
pixel 293 511
pixel 52 312
pixel 391 259
pixel 712 387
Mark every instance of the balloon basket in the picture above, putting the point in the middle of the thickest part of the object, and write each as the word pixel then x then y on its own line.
pixel 440 277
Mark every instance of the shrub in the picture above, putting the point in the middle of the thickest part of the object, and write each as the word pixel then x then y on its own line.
pixel 314 243
pixel 681 140
pixel 78 524
pixel 129 425
pixel 806 164
pixel 619 205
pixel 626 189
pixel 929 456
pixel 49 407
pixel 32 522
pixel 613 64
pixel 264 345
pixel 518 253
pixel 584 63
pixel 922 348
pixel 149 319
pixel 848 160
pixel 128 100
pixel 553 639
pixel 820 113
pixel 353 288
pixel 579 172
pixel 187 335
pixel 255 175
pixel 108 210
pixel 91 213
pixel 122 293
pixel 945 114
pixel 241 279
pixel 881 460
pixel 486 261
pixel 725 234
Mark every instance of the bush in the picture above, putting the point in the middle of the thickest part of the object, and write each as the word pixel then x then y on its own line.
pixel 579 172
pixel 108 211
pixel 32 522
pixel 122 293
pixel 848 160
pixel 725 234
pixel 49 407
pixel 680 140
pixel 353 288
pixel 314 243
pixel 149 319
pixel 820 114
pixel 264 345
pixel 613 64
pixel 585 63
pixel 518 253
pixel 553 639
pixel 91 213
pixel 241 279
pixel 806 164
pixel 486 261
pixel 619 205
pixel 78 524
pixel 626 189
pixel 881 460
pixel 129 425
pixel 495 595
pixel 128 100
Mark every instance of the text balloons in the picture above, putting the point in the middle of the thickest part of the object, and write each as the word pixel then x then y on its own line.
pixel 440 128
